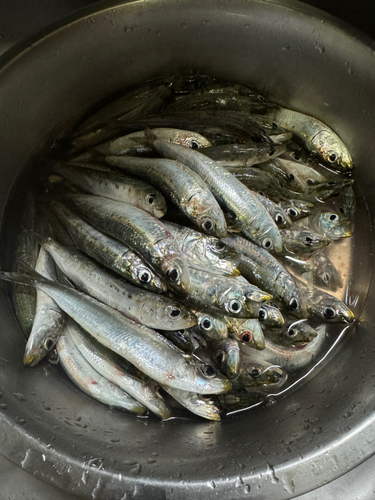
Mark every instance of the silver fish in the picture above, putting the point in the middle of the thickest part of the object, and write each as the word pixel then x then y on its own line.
pixel 143 233
pixel 295 333
pixel 152 310
pixel 270 316
pixel 183 339
pixel 136 343
pixel 115 186
pixel 276 211
pixel 296 209
pixel 246 330
pixel 181 185
pixel 227 356
pixel 299 239
pixel 232 195
pixel 320 267
pixel 226 295
pixel 244 155
pixel 196 403
pixel 108 251
pixel 262 269
pixel 330 224
pixel 259 373
pixel 89 380
pixel 49 319
pixel 145 392
pixel 210 325
pixel 204 252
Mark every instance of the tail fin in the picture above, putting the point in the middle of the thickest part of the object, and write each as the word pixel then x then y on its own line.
pixel 27 278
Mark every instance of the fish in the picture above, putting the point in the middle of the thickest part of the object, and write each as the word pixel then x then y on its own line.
pixel 84 376
pixel 108 251
pixel 196 403
pixel 300 239
pixel 181 185
pixel 245 330
pixel 296 332
pixel 284 176
pixel 320 267
pixel 227 356
pixel 297 209
pixel 330 224
pixel 115 186
pixel 304 175
pixel 204 252
pixel 264 270
pixel 316 136
pixel 232 195
pixel 145 307
pixel 348 203
pixel 259 373
pixel 227 295
pixel 136 343
pixel 270 316
pixel 49 319
pixel 137 142
pixel 143 390
pixel 278 214
pixel 211 326
pixel 288 358
pixel 243 155
pixel 143 233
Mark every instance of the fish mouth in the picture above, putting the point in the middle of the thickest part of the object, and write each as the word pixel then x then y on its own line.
pixel 30 359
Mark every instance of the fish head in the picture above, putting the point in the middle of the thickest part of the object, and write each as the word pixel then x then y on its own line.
pixel 207 408
pixel 189 139
pixel 174 316
pixel 331 309
pixel 257 374
pixel 207 214
pixel 212 326
pixel 300 332
pixel 208 379
pixel 327 276
pixel 270 316
pixel 281 217
pixel 154 203
pixel 37 348
pixel 251 333
pixel 293 299
pixel 271 240
pixel 297 209
pixel 332 150
pixel 175 267
pixel 333 225
pixel 223 256
pixel 147 278
pixel 227 357
pixel 303 240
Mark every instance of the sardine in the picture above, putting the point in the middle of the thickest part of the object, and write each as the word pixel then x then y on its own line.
pixel 115 186
pixel 136 343
pixel 89 380
pixel 243 155
pixel 330 224
pixel 320 267
pixel 295 333
pixel 232 195
pixel 227 356
pixel 108 251
pixel 181 185
pixel 210 325
pixel 246 330
pixel 49 319
pixel 278 214
pixel 204 252
pixel 296 209
pixel 144 234
pixel 196 403
pixel 297 239
pixel 150 309
pixel 259 373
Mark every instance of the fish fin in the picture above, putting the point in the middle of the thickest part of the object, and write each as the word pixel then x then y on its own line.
pixel 26 278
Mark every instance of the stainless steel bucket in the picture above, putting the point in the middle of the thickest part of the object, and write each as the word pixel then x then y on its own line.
pixel 317 433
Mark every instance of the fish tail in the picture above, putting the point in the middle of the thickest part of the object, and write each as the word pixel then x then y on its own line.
pixel 21 278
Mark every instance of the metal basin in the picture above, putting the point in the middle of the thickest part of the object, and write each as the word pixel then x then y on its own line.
pixel 302 58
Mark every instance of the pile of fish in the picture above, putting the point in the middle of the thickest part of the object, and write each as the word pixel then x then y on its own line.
pixel 169 245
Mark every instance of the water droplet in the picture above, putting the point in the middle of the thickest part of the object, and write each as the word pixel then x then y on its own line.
pixel 271 471
pixel 3 406
pixel 84 476
pixel 348 414
pixel 238 482
pixel 136 470
pixel 151 460
pixel 96 492
pixel 350 71
pixel 246 488
pixel 211 484
pixel 319 48
pixel 19 396
pixel 286 47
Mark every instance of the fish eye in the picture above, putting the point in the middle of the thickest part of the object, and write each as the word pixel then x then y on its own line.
pixel 209 371
pixel 262 314
pixel 329 313
pixel 194 145
pixel 293 304
pixel 309 240
pixel 291 177
pixel 332 157
pixel 218 245
pixel 49 343
pixel 206 324
pixel 342 210
pixel 326 277
pixel 246 337
pixel 271 152
pixel 220 357
pixel 333 217
pixel 234 306
pixel 297 156
pixel 292 332
pixel 255 373
pixel 173 312
pixel 279 219
pixel 267 243
pixel 207 224
pixel 145 277
pixel 150 198
pixel 310 182
pixel 292 212
pixel 173 274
